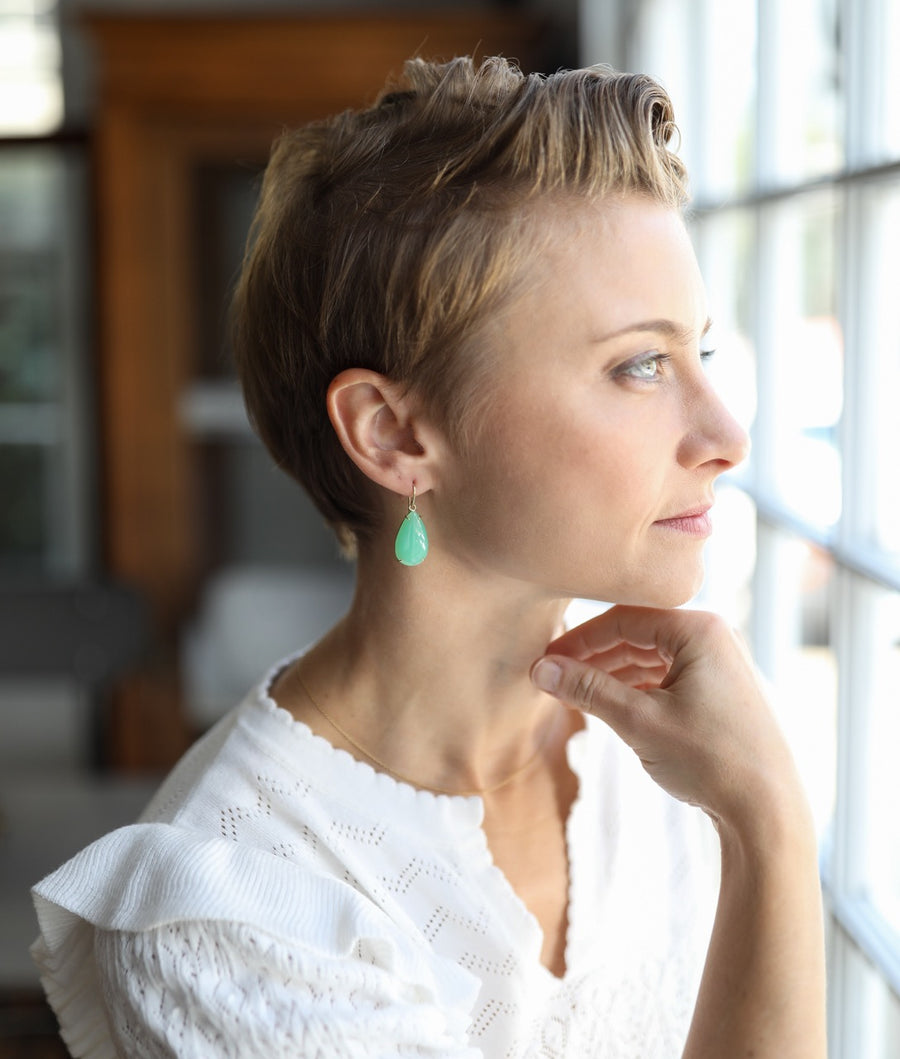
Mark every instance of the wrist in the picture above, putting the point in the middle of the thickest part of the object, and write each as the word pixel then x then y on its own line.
pixel 773 829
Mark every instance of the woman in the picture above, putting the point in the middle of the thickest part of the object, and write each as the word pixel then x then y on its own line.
pixel 472 312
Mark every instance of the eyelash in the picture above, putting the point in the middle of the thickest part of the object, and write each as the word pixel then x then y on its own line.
pixel 657 359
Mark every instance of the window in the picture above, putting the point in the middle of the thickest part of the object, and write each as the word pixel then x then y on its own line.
pixel 790 117
pixel 31 91
pixel 44 387
pixel 44 391
pixel 47 523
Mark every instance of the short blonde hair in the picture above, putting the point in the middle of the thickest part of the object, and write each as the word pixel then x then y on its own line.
pixel 386 238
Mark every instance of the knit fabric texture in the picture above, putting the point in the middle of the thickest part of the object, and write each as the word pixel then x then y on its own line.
pixel 280 898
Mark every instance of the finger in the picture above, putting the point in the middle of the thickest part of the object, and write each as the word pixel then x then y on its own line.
pixel 579 684
pixel 638 627
pixel 625 655
pixel 666 631
pixel 640 676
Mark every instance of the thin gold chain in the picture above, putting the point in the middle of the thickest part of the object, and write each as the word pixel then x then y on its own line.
pixel 481 792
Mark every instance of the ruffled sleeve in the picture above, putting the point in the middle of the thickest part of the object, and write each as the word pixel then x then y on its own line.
pixel 204 989
pixel 157 942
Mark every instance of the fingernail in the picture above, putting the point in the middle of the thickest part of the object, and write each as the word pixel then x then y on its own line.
pixel 546 675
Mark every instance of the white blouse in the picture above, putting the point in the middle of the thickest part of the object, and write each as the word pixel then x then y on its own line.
pixel 280 898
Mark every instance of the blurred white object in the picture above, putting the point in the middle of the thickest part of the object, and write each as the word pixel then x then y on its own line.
pixel 250 617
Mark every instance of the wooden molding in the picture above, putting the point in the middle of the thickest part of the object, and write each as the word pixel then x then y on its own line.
pixel 309 64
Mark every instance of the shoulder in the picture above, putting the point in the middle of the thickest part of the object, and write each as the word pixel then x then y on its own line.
pixel 139 876
pixel 262 822
pixel 254 738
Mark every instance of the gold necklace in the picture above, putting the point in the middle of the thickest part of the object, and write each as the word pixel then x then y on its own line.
pixel 415 783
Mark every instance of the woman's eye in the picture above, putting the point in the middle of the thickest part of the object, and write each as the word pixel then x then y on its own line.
pixel 647 369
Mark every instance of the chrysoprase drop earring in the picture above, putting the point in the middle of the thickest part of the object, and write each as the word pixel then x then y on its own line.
pixel 411 542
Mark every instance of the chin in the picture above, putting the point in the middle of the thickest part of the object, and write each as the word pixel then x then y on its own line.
pixel 661 600
pixel 663 594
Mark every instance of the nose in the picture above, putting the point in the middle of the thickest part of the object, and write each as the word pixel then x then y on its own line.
pixel 712 434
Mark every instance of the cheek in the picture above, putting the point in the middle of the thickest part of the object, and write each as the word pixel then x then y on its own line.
pixel 544 459
pixel 617 459
pixel 572 486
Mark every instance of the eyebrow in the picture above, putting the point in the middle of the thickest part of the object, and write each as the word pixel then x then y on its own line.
pixel 665 327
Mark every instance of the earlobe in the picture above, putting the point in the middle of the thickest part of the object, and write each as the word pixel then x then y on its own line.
pixel 378 429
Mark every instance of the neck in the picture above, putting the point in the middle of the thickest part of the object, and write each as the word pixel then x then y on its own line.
pixel 428 675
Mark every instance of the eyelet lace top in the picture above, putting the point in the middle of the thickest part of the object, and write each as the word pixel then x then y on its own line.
pixel 280 898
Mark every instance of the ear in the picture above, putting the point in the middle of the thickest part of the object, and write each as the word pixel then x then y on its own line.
pixel 382 431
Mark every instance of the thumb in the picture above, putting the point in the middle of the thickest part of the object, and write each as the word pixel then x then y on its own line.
pixel 579 684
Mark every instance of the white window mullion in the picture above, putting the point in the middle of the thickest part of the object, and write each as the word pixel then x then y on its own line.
pixel 766 93
pixel 861 118
pixel 763 435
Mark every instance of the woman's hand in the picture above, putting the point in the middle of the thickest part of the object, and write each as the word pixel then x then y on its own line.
pixel 680 688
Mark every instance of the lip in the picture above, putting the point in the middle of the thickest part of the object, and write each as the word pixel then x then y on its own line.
pixel 694 522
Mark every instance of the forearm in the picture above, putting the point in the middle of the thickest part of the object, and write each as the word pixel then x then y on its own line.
pixel 763 987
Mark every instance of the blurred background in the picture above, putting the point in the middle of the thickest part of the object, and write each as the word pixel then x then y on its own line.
pixel 152 561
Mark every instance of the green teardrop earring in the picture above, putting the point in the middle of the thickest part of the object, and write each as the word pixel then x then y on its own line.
pixel 411 542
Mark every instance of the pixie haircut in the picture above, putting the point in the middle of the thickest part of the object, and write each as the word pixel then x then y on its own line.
pixel 387 238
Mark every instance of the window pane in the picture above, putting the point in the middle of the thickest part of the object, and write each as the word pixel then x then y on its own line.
pixel 664 41
pixel 44 389
pixel 30 276
pixel 880 642
pixel 793 639
pixel 704 53
pixel 888 92
pixel 726 245
pixel 29 365
pixel 869 1018
pixel 880 363
pixel 31 92
pixel 727 98
pixel 801 395
pixel 24 481
pixel 730 558
pixel 800 75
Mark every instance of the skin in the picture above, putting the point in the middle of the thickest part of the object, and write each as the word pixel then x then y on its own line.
pixel 602 430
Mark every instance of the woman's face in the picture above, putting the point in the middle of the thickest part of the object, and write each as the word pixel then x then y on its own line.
pixel 594 467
